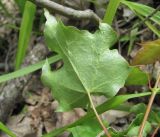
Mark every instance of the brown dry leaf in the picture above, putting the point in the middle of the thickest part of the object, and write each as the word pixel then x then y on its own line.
pixel 148 54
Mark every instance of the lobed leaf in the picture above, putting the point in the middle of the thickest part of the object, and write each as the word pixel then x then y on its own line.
pixel 89 64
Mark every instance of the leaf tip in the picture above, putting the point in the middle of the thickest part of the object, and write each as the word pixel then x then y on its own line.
pixel 46 72
pixel 50 19
pixel 46 67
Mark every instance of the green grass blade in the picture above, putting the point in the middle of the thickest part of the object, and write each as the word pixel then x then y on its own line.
pixel 151 27
pixel 25 32
pixel 27 70
pixel 110 104
pixel 21 4
pixel 111 11
pixel 143 10
pixel 6 130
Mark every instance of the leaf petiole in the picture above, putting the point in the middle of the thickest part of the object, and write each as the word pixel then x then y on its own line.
pixel 97 116
pixel 154 90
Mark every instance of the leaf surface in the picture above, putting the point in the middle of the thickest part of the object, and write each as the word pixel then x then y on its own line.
pixel 135 125
pixel 89 64
pixel 148 54
pixel 90 128
pixel 137 77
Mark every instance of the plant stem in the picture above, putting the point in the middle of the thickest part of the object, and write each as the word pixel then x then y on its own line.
pixel 157 81
pixel 97 116
pixel 154 92
pixel 146 114
pixel 66 11
pixel 155 132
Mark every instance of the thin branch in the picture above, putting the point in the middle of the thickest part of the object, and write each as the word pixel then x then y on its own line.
pixel 154 92
pixel 157 81
pixel 66 11
pixel 146 114
pixel 97 116
pixel 155 132
pixel 149 82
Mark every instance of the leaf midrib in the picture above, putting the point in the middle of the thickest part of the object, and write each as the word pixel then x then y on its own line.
pixel 72 65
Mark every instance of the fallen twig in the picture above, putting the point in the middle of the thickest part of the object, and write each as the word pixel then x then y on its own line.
pixel 66 11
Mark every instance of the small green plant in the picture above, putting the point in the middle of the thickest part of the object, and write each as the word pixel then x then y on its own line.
pixel 6 130
pixel 77 80
pixel 25 32
pixel 92 67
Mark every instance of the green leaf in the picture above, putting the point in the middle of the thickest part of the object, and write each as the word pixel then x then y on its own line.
pixel 89 64
pixel 137 77
pixel 25 32
pixel 6 130
pixel 27 70
pixel 133 129
pixel 90 128
pixel 133 132
pixel 141 108
pixel 138 108
pixel 110 104
pixel 135 125
pixel 143 10
pixel 111 11
pixel 21 4
pixel 148 54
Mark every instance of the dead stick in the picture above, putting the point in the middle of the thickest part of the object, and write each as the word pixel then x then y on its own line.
pixel 155 132
pixel 66 11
